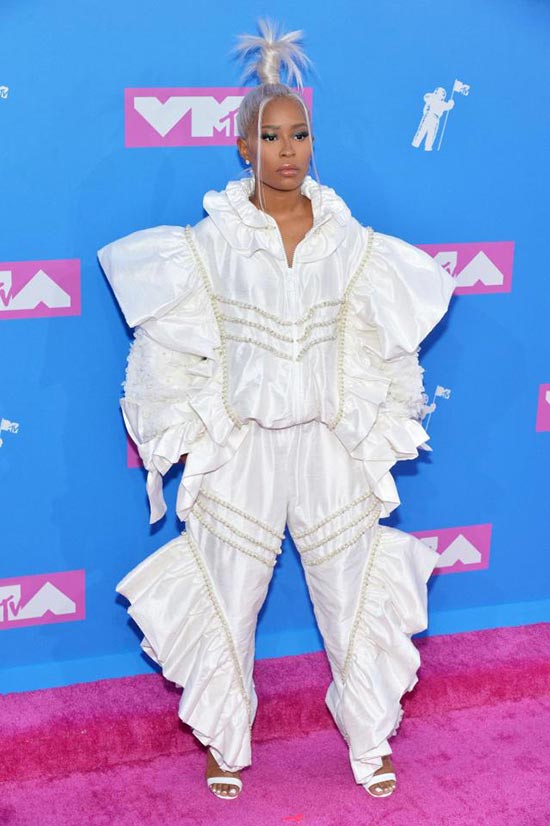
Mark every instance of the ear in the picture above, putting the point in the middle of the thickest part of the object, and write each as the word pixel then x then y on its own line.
pixel 243 149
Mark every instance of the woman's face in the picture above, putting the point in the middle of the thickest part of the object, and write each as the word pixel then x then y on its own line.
pixel 285 145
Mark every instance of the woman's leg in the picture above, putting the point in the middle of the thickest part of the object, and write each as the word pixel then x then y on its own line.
pixel 367 585
pixel 197 598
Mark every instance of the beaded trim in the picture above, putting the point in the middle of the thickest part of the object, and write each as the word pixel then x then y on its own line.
pixel 280 353
pixel 340 334
pixel 242 535
pixel 280 336
pixel 278 319
pixel 221 616
pixel 373 507
pixel 208 494
pixel 235 418
pixel 372 521
pixel 369 494
pixel 270 563
pixel 342 323
pixel 362 597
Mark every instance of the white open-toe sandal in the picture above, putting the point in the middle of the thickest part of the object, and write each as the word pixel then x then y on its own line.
pixel 379 778
pixel 230 781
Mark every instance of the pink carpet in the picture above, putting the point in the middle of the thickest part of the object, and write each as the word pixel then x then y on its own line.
pixel 473 748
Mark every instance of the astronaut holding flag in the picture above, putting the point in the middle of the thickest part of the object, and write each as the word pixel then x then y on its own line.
pixel 434 106
pixel 429 409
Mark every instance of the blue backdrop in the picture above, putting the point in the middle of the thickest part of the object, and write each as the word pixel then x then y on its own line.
pixel 70 185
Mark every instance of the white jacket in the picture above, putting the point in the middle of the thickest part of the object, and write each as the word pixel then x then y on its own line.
pixel 227 333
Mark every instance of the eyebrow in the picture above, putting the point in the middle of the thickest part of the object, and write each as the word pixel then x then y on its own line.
pixel 272 126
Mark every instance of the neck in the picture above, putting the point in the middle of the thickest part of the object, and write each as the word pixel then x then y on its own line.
pixel 278 202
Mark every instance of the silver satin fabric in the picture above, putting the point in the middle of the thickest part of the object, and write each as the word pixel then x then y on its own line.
pixel 197 599
pixel 294 390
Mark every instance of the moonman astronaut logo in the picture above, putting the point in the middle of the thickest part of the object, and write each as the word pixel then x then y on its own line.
pixel 464 548
pixel 435 105
pixel 445 392
pixel 184 116
pixel 7 427
pixel 31 289
pixel 42 599
pixel 4 91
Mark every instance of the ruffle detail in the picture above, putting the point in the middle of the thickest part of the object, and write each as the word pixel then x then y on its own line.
pixel 173 602
pixel 376 426
pixel 205 432
pixel 404 294
pixel 174 399
pixel 384 661
pixel 150 271
pixel 382 380
pixel 248 229
pixel 206 456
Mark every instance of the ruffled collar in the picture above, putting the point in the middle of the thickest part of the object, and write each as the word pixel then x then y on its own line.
pixel 247 229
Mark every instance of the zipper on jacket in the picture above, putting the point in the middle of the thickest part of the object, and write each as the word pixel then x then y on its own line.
pixel 291 288
pixel 297 247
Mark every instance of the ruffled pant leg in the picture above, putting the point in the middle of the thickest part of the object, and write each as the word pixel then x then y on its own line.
pixel 367 583
pixel 197 598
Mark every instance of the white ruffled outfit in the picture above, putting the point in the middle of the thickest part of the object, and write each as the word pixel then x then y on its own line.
pixel 294 391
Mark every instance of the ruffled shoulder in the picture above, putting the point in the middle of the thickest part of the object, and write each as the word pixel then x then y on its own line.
pixel 150 271
pixel 406 294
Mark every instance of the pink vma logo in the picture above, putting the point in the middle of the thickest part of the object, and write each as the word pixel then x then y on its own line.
pixel 34 289
pixel 42 599
pixel 482 267
pixel 460 549
pixel 185 116
pixel 543 411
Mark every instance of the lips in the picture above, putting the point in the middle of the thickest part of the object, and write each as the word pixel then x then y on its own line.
pixel 288 167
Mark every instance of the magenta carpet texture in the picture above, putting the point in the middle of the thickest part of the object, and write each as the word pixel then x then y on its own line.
pixel 473 747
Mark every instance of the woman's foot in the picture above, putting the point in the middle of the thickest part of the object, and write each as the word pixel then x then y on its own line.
pixel 383 787
pixel 213 770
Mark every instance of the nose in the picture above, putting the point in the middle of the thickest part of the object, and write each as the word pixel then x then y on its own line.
pixel 286 147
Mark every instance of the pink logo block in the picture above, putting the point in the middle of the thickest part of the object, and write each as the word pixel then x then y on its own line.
pixel 38 289
pixel 42 599
pixel 543 409
pixel 480 267
pixel 460 549
pixel 177 116
pixel 133 458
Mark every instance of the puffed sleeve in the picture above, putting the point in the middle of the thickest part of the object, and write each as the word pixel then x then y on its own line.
pixel 396 296
pixel 153 276
pixel 409 293
pixel 150 271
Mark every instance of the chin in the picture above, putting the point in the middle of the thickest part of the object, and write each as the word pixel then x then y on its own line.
pixel 286 183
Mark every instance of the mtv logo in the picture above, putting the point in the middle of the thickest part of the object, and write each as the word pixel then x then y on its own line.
pixel 41 599
pixel 37 289
pixel 543 409
pixel 465 548
pixel 185 116
pixel 484 267
pixel 10 427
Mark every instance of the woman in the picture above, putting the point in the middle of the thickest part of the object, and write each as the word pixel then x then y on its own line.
pixel 276 346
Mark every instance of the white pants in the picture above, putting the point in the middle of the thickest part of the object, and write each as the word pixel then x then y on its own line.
pixel 197 598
